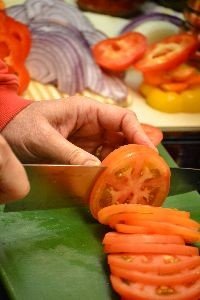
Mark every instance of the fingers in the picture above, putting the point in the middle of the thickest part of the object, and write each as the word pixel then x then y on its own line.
pixel 14 183
pixel 123 120
pixel 59 150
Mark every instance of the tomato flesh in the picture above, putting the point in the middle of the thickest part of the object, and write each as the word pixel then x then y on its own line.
pixel 134 174
pixel 160 264
pixel 130 290
pixel 117 54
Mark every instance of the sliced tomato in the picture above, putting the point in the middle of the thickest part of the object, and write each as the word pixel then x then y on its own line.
pixel 134 174
pixel 139 291
pixel 117 54
pixel 105 213
pixel 162 228
pixel 182 278
pixel 168 53
pixel 154 133
pixel 130 218
pixel 143 248
pixel 115 237
pixel 160 264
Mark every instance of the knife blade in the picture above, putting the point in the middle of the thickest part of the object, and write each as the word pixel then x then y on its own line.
pixel 58 186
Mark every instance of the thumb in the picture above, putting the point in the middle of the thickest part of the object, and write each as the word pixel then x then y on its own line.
pixel 60 150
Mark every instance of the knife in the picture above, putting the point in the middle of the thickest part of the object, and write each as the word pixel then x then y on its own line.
pixel 58 186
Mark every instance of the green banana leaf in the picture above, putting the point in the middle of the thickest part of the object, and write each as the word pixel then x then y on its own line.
pixel 57 253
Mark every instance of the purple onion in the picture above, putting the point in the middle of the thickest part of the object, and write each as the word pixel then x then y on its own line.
pixel 135 22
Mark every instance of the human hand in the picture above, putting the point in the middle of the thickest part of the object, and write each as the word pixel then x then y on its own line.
pixel 70 131
pixel 14 184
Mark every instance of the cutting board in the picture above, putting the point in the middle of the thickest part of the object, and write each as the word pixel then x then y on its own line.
pixel 57 254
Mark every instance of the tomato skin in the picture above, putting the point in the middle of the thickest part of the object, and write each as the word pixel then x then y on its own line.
pixel 134 174
pixel 160 264
pixel 136 291
pixel 168 53
pixel 117 54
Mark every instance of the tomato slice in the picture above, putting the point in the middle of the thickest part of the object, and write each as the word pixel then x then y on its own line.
pixel 168 53
pixel 130 218
pixel 160 264
pixel 105 213
pixel 152 227
pixel 139 291
pixel 183 278
pixel 154 133
pixel 115 237
pixel 143 248
pixel 117 54
pixel 134 174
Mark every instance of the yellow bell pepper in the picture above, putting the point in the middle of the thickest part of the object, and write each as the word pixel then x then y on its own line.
pixel 172 102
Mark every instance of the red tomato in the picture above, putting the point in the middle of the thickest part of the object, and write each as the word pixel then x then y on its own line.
pixel 142 248
pixel 134 174
pixel 184 277
pixel 107 212
pixel 161 264
pixel 188 234
pixel 154 133
pixel 168 53
pixel 130 218
pixel 133 290
pixel 117 54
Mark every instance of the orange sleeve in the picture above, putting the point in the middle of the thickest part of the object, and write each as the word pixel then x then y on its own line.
pixel 10 103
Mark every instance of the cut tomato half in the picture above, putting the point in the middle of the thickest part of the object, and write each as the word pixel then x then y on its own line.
pixel 160 264
pixel 168 53
pixel 134 174
pixel 117 54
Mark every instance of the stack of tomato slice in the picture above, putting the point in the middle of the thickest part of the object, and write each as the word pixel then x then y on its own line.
pixel 149 253
pixel 15 44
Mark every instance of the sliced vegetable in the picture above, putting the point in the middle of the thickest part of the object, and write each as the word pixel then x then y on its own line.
pixel 168 53
pixel 142 248
pixel 105 213
pixel 117 54
pixel 130 218
pixel 134 290
pixel 115 237
pixel 134 174
pixel 159 264
pixel 189 235
pixel 184 278
pixel 172 102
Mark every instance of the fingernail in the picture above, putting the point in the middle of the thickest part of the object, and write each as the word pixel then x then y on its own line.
pixel 92 163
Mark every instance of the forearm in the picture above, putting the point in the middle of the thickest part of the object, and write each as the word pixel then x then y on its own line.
pixel 10 103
